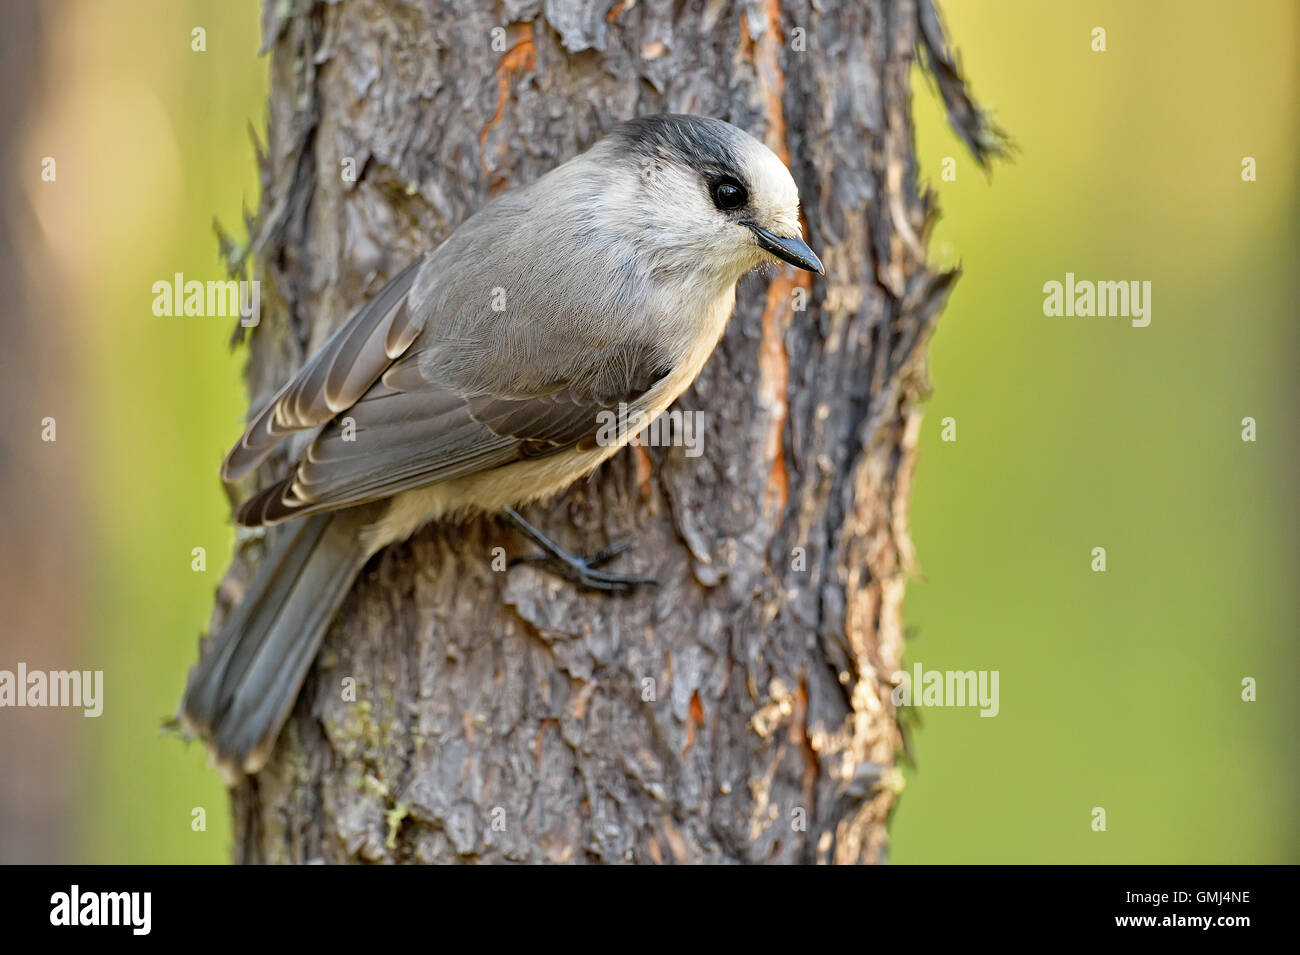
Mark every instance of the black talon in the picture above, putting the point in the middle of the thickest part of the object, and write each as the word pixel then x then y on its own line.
pixel 581 570
pixel 607 554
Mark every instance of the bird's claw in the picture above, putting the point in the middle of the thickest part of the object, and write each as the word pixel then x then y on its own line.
pixel 583 570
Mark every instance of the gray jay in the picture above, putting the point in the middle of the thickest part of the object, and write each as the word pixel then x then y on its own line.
pixel 474 380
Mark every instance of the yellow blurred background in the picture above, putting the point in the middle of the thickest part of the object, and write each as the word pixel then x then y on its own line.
pixel 1119 690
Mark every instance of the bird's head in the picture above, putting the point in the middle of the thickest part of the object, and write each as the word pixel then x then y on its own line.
pixel 698 193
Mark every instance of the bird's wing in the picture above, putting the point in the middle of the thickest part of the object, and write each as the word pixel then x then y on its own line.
pixel 336 376
pixel 410 430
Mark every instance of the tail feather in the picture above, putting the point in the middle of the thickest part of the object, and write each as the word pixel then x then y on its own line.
pixel 248 677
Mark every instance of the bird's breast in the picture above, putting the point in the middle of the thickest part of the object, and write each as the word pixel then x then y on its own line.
pixel 695 343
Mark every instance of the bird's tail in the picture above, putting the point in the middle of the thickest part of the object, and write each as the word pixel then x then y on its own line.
pixel 246 681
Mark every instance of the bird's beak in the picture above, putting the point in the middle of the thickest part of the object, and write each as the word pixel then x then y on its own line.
pixel 794 250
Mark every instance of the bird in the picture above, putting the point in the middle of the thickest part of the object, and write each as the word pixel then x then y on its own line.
pixel 474 382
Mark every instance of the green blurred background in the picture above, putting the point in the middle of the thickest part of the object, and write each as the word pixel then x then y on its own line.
pixel 1119 689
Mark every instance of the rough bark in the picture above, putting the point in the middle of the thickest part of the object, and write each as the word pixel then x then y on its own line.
pixel 741 712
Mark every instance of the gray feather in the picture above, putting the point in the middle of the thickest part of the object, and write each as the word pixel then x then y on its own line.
pixel 240 692
pixel 336 376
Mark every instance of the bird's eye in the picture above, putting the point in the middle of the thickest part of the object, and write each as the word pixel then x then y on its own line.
pixel 729 194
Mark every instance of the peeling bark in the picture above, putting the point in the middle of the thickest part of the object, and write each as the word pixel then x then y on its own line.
pixel 741 712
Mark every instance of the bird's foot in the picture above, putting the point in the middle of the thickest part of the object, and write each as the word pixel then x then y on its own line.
pixel 582 570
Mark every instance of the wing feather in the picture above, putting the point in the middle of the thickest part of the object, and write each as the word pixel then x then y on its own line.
pixel 431 386
pixel 423 432
pixel 336 376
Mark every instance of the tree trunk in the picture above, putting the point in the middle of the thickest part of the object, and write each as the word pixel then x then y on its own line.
pixel 740 712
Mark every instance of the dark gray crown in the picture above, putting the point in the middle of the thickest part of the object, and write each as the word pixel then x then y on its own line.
pixel 703 143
